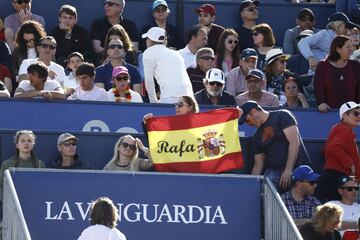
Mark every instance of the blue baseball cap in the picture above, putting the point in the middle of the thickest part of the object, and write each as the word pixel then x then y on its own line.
pixel 157 3
pixel 248 52
pixel 304 173
pixel 246 108
pixel 344 179
pixel 256 73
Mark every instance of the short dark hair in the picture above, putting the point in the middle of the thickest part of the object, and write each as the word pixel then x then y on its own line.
pixel 338 42
pixel 40 68
pixel 68 9
pixel 85 68
pixel 76 54
pixel 305 12
pixel 193 32
pixel 104 212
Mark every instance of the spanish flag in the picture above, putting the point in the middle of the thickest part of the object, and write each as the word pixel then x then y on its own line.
pixel 205 142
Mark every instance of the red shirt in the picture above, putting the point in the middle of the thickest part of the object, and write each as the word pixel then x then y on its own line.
pixel 334 86
pixel 341 151
pixel 351 235
pixel 4 72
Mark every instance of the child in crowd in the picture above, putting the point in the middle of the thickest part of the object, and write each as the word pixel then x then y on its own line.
pixel 70 82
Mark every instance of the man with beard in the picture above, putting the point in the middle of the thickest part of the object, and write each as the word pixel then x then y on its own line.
pixel 214 93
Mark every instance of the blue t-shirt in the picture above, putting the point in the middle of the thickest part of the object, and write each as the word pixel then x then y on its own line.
pixel 270 139
pixel 104 75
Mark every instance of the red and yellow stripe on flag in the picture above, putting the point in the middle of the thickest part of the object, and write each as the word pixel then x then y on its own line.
pixel 205 142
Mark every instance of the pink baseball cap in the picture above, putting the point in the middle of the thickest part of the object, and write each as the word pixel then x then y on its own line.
pixel 118 70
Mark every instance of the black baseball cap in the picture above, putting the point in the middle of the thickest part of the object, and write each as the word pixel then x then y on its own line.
pixel 246 108
pixel 340 16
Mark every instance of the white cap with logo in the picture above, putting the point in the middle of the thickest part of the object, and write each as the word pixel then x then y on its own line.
pixel 347 107
pixel 155 34
pixel 215 75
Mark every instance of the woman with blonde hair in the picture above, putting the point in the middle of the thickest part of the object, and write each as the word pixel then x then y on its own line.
pixel 126 157
pixel 325 223
pixel 316 47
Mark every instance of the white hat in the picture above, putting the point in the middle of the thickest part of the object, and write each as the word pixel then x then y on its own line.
pixel 273 54
pixel 215 75
pixel 347 107
pixel 155 34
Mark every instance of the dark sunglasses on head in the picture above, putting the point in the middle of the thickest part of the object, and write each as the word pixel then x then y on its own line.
pixel 116 46
pixel 125 78
pixel 22 1
pixel 110 4
pixel 215 83
pixel 250 9
pixel 207 58
pixel 29 41
pixel 69 143
pixel 350 189
pixel 312 183
pixel 44 45
pixel 127 145
pixel 233 41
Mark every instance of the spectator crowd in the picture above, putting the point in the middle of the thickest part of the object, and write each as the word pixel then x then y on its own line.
pixel 240 66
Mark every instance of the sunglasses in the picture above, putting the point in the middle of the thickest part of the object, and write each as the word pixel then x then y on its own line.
pixel 29 41
pixel 180 104
pixel 216 83
pixel 44 45
pixel 69 143
pixel 110 4
pixel 282 61
pixel 250 9
pixel 255 34
pixel 116 46
pixel 22 1
pixel 350 189
pixel 207 58
pixel 233 41
pixel 125 78
pixel 312 183
pixel 130 146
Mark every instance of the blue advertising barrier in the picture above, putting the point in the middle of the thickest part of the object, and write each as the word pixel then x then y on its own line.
pixel 126 117
pixel 151 206
pixel 94 148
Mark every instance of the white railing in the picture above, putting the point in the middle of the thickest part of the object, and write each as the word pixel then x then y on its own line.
pixel 278 222
pixel 13 225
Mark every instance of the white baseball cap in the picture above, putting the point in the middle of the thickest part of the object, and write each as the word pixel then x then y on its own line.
pixel 215 75
pixel 155 34
pixel 347 107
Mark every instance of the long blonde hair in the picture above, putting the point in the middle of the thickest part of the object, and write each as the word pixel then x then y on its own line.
pixel 325 213
pixel 116 149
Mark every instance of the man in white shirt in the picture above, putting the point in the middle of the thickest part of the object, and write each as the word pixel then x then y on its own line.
pixel 348 189
pixel 197 38
pixel 38 86
pixel 166 66
pixel 87 90
pixel 46 50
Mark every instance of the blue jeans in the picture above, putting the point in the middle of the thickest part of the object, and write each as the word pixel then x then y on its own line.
pixel 274 176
